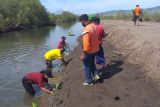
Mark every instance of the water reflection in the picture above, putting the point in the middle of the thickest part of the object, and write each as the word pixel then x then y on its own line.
pixel 26 37
pixel 41 101
pixel 66 25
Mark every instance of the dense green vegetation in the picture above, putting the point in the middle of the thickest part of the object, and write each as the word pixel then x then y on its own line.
pixel 64 17
pixel 23 12
pixel 28 13
pixel 146 16
pixel 155 16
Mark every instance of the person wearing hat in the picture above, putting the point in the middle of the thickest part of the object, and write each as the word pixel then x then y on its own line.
pixel 62 44
pixel 52 55
pixel 37 78
pixel 90 48
pixel 100 59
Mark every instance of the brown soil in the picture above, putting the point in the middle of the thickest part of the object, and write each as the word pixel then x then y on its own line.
pixel 141 45
pixel 124 83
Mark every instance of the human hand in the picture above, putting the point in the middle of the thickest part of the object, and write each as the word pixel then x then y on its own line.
pixel 81 57
pixel 52 92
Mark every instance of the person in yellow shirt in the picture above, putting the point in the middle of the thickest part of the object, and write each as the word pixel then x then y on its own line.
pixel 52 55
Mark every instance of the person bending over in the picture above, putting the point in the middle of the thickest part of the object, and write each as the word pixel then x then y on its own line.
pixel 53 55
pixel 37 78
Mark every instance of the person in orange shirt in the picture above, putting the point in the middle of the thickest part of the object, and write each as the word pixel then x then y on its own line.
pixel 137 12
pixel 90 48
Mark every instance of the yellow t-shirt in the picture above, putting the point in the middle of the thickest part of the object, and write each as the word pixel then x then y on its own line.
pixel 53 54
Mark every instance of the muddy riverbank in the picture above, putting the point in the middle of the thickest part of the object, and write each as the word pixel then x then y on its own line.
pixel 125 82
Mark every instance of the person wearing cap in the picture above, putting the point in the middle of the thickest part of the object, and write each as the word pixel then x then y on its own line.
pixel 52 55
pixel 100 59
pixel 37 78
pixel 62 44
pixel 90 48
pixel 137 12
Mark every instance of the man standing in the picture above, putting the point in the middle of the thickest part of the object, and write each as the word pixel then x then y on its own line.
pixel 100 59
pixel 90 48
pixel 137 15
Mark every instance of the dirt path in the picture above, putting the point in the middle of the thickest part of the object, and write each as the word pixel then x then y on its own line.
pixel 123 84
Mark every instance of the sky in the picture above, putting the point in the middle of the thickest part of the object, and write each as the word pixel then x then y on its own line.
pixel 94 6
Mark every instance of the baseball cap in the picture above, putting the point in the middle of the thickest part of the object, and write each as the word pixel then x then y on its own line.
pixel 92 17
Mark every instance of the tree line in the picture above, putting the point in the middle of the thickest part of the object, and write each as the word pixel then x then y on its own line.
pixel 28 13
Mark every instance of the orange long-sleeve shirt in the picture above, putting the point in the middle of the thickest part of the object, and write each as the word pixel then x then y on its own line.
pixel 90 39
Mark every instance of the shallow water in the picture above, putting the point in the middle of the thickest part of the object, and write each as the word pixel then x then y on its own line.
pixel 22 52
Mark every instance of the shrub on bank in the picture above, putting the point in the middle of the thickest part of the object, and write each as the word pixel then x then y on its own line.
pixel 15 14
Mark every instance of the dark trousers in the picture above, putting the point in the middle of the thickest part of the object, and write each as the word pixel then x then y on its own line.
pixel 89 67
pixel 100 56
pixel 28 86
pixel 49 64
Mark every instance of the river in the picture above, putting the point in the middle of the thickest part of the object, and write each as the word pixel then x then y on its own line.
pixel 22 52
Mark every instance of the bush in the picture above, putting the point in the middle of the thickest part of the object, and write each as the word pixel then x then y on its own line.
pixel 18 13
pixel 66 17
pixel 156 16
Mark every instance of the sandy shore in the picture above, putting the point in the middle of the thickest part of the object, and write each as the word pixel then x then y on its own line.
pixel 125 82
